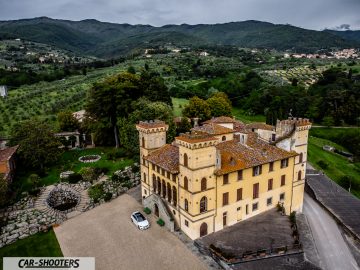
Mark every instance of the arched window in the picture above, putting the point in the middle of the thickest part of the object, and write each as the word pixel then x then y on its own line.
pixel 203 184
pixel 154 182
pixel 169 193
pixel 145 177
pixel 301 158
pixel 186 205
pixel 185 160
pixel 159 185
pixel 163 189
pixel 174 195
pixel 299 175
pixel 143 142
pixel 203 204
pixel 203 229
pixel 186 183
pixel 223 138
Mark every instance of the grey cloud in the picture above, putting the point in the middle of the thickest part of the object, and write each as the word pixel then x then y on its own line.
pixel 318 14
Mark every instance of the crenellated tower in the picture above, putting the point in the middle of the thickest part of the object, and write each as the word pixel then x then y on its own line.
pixel 292 134
pixel 197 183
pixel 152 136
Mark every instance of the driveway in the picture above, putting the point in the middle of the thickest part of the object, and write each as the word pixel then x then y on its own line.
pixel 333 251
pixel 107 233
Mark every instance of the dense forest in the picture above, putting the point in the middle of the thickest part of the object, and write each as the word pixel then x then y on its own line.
pixel 333 100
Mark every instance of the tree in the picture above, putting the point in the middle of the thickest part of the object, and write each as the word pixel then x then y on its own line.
pixel 184 125
pixel 144 111
pixel 34 179
pixel 67 121
pixel 38 146
pixel 112 98
pixel 328 121
pixel 197 107
pixel 131 70
pixel 3 190
pixel 154 87
pixel 220 105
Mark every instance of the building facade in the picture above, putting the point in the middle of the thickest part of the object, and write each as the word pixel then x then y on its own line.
pixel 8 163
pixel 222 172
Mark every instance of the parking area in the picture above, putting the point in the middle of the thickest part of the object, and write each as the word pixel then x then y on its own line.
pixel 107 234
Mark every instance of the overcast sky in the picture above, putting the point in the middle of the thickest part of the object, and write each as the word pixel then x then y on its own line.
pixel 311 14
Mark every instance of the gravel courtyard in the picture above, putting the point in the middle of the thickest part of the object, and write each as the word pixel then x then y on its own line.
pixel 107 233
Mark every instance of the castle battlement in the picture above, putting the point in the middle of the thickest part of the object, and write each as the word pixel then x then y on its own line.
pixel 152 126
pixel 195 140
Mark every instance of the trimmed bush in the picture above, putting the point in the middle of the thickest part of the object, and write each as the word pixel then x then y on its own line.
pixel 292 217
pixel 107 196
pixel 34 192
pixel 322 164
pixel 147 210
pixel 160 222
pixel 74 178
pixel 96 192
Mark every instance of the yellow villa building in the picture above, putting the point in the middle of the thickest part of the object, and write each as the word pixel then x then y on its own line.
pixel 222 172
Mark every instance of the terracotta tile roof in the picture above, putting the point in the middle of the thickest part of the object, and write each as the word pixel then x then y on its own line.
pixel 196 136
pixel 236 156
pixel 260 126
pixel 213 129
pixel 166 157
pixel 152 124
pixel 7 153
pixel 239 127
pixel 221 119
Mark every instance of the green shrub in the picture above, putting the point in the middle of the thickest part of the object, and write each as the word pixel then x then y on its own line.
pixel 116 154
pixel 96 192
pixel 127 184
pixel 34 192
pixel 160 222
pixel 322 164
pixel 88 174
pixel 107 196
pixel 147 210
pixel 74 178
pixel 292 217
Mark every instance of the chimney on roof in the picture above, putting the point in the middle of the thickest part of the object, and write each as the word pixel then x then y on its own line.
pixel 196 121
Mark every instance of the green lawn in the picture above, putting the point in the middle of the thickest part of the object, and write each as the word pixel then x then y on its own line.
pixel 69 161
pixel 338 166
pixel 242 116
pixel 37 245
pixel 178 105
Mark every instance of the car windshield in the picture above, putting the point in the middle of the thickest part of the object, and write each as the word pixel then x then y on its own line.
pixel 139 217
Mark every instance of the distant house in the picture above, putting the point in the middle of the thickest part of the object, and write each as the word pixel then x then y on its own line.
pixel 79 115
pixel 8 163
pixel 72 138
pixel 3 91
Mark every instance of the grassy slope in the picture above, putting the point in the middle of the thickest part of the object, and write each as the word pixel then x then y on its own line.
pixel 178 105
pixel 338 166
pixel 69 161
pixel 38 245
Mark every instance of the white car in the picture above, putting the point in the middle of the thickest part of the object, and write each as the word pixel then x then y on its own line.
pixel 140 221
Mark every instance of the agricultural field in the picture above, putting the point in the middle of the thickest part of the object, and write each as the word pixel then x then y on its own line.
pixel 46 99
pixel 304 74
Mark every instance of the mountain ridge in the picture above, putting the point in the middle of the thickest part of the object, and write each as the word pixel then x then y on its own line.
pixel 105 39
